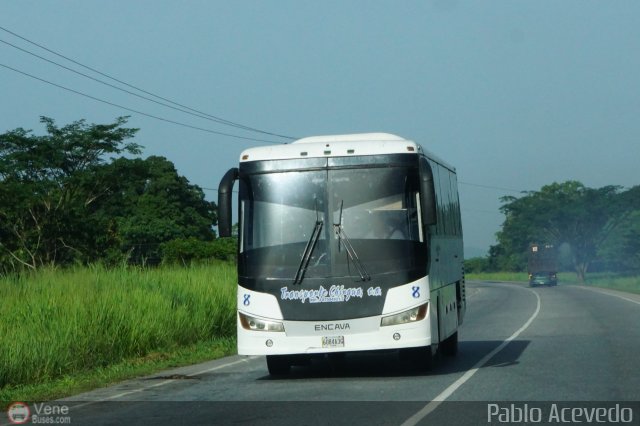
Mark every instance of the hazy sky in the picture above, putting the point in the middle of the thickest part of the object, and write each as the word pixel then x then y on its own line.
pixel 515 94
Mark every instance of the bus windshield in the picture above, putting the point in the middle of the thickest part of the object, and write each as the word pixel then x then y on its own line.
pixel 373 210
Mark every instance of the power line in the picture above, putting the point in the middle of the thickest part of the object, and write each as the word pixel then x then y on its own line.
pixel 215 190
pixel 199 113
pixel 491 187
pixel 481 211
pixel 112 85
pixel 137 111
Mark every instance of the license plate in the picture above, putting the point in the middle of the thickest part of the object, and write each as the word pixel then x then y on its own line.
pixel 333 342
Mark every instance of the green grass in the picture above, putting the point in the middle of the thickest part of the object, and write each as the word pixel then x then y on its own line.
pixel 629 284
pixel 497 276
pixel 60 324
pixel 97 377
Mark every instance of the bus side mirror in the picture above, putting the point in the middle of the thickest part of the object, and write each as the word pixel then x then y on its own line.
pixel 225 201
pixel 427 194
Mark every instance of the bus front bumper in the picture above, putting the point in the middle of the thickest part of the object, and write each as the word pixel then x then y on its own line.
pixel 310 337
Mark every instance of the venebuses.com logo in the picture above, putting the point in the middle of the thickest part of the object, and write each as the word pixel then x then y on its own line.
pixel 18 413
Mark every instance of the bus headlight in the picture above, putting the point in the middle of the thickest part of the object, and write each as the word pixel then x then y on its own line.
pixel 257 324
pixel 416 314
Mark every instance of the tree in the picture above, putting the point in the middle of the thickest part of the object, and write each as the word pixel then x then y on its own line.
pixel 560 213
pixel 476 265
pixel 67 197
pixel 186 250
pixel 621 250
pixel 47 184
pixel 148 204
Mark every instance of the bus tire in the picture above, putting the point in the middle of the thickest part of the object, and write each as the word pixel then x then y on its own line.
pixel 449 346
pixel 278 365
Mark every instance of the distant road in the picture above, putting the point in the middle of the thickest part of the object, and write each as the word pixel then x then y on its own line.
pixel 569 345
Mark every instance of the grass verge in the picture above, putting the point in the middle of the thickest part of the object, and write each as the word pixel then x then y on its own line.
pixel 84 381
pixel 63 328
pixel 630 284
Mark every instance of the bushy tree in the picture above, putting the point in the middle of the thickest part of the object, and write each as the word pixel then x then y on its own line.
pixel 476 265
pixel 560 213
pixel 47 184
pixel 149 204
pixel 187 250
pixel 621 250
pixel 69 196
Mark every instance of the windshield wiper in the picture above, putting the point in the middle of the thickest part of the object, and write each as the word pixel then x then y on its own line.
pixel 351 252
pixel 308 250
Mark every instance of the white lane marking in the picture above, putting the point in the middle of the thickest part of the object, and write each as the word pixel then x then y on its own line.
pixel 208 370
pixel 424 412
pixel 155 385
pixel 608 294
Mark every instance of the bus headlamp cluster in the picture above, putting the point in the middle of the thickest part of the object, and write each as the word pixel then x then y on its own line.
pixel 257 324
pixel 416 314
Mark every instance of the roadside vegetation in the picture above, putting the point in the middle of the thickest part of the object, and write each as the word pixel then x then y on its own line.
pixel 595 231
pixel 61 329
pixel 75 196
pixel 96 245
pixel 612 281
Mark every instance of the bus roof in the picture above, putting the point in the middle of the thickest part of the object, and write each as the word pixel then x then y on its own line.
pixel 338 146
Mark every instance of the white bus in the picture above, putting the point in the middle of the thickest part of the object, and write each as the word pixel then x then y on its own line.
pixel 345 243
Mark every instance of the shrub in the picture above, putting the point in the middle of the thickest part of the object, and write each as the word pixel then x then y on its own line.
pixel 188 250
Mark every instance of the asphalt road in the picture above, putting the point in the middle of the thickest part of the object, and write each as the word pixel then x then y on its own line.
pixel 522 351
